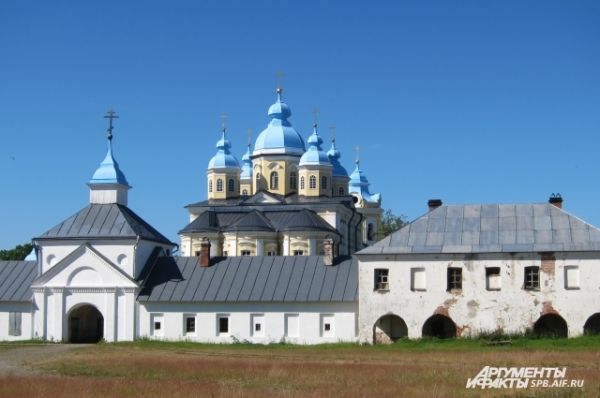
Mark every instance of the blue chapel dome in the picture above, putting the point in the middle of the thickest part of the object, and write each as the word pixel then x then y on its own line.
pixel 360 184
pixel 223 159
pixel 334 158
pixel 280 137
pixel 246 165
pixel 314 156
pixel 109 171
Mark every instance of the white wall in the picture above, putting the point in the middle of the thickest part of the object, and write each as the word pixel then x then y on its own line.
pixel 25 309
pixel 310 321
pixel 474 308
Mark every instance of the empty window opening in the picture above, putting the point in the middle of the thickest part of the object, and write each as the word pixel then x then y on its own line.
pixel 439 326
pixel 223 324
pixel 532 278
pixel 298 252
pixel 382 279
pixel 454 279
pixel 551 325
pixel 492 278
pixel 246 253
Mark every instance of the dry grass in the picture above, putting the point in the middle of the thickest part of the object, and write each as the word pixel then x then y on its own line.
pixel 163 370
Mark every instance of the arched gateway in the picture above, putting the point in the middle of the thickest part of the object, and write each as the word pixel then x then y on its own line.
pixel 86 324
pixel 388 329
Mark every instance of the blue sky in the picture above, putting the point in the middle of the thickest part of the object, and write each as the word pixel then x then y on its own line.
pixel 467 101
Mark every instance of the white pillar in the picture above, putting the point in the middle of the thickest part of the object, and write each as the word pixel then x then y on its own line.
pixel 110 318
pixel 59 316
pixel 312 247
pixel 39 314
pixel 260 247
pixel 128 317
pixel 286 245
pixel 214 248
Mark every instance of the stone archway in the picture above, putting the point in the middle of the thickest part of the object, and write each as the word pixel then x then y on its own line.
pixel 592 325
pixel 439 326
pixel 551 325
pixel 388 329
pixel 86 324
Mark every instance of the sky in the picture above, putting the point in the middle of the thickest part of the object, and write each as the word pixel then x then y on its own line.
pixel 465 101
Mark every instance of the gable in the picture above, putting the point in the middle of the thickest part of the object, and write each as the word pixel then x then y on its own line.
pixel 84 267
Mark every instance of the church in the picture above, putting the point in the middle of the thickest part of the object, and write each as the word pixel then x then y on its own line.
pixel 283 250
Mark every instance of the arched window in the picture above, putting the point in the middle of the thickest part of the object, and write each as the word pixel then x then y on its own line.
pixel 245 192
pixel 341 191
pixel 209 185
pixel 293 180
pixel 274 180
pixel 219 185
pixel 257 181
pixel 231 185
pixel 323 182
pixel 312 182
pixel 301 182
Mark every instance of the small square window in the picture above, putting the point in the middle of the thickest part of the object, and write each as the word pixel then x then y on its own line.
pixel 492 278
pixel 157 325
pixel 190 324
pixel 223 324
pixel 257 327
pixel 418 280
pixel 257 321
pixel 454 279
pixel 532 278
pixel 327 327
pixel 571 277
pixel 382 279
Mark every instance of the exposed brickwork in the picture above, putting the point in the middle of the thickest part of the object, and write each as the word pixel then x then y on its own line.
pixel 548 263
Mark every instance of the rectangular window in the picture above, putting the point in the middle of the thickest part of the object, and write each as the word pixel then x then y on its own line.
pixel 418 281
pixel 327 325
pixel 492 278
pixel 14 324
pixel 381 279
pixel 246 252
pixel 454 279
pixel 532 278
pixel 571 277
pixel 157 325
pixel 258 325
pixel 190 324
pixel 223 324
pixel 291 325
pixel 270 253
pixel 298 252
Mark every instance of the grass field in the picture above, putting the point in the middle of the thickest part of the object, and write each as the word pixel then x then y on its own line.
pixel 425 368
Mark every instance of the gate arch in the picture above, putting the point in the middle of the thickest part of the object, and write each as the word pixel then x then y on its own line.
pixel 439 326
pixel 86 324
pixel 551 325
pixel 388 329
pixel 592 325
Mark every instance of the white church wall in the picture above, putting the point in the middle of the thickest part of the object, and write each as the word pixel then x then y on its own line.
pixel 476 308
pixel 15 321
pixel 302 323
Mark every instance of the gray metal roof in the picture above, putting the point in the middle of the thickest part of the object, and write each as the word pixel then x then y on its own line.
pixel 255 279
pixel 104 221
pixel 248 219
pixel 491 229
pixel 15 280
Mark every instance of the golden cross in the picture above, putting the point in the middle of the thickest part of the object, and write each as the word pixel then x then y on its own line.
pixel 279 81
pixel 332 128
pixel 315 116
pixel 223 121
pixel 110 115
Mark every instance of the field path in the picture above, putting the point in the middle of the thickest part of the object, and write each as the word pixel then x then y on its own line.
pixel 15 359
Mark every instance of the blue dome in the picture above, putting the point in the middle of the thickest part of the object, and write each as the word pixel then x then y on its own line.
pixel 246 165
pixel 360 184
pixel 223 159
pixel 109 171
pixel 314 156
pixel 279 137
pixel 334 158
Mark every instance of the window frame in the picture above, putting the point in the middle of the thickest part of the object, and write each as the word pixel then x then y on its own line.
pixel 302 182
pixel 274 180
pixel 223 328
pixel 210 186
pixel 323 182
pixel 298 252
pixel 490 272
pixel 155 319
pixel 381 278
pixel 293 180
pixel 219 185
pixel 186 324
pixel 231 185
pixel 531 278
pixel 312 182
pixel 453 283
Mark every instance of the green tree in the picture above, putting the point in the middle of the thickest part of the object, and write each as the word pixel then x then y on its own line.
pixel 17 254
pixel 388 223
